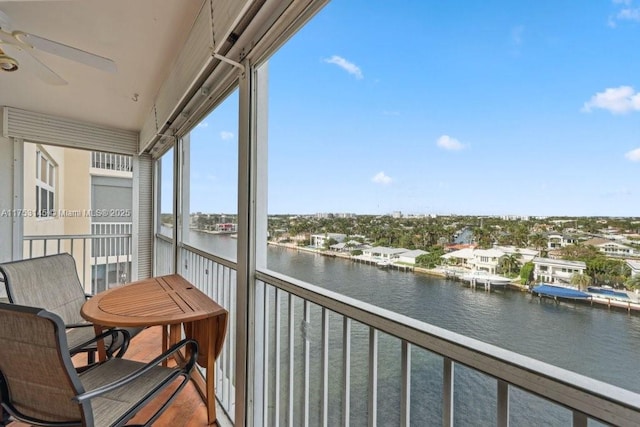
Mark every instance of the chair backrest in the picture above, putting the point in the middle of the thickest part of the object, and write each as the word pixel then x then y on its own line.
pixel 39 378
pixel 50 282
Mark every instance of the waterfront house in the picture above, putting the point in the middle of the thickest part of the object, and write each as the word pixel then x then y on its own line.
pixel 523 255
pixel 486 260
pixel 177 62
pixel 550 270
pixel 409 257
pixel 612 248
pixel 557 240
pixel 461 257
pixel 382 253
pixel 351 245
pixel 477 259
pixel 320 240
pixel 634 265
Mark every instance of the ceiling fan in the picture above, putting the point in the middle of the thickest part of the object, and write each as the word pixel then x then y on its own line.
pixel 17 47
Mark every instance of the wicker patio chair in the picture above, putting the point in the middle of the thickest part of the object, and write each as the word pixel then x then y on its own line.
pixel 39 384
pixel 51 282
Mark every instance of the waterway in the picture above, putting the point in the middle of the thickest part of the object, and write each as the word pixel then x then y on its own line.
pixel 591 341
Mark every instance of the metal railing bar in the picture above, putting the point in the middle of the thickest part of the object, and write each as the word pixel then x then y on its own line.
pixel 226 262
pixel 72 236
pixel 277 361
pixel 232 327
pixel 579 419
pixel 447 392
pixel 307 349
pixel 346 367
pixel 405 388
pixel 84 261
pixel 503 404
pixel 373 377
pixel 325 368
pixel 265 356
pixel 228 361
pixel 290 328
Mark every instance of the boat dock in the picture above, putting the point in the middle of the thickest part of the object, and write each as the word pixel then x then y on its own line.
pixel 382 263
pixel 562 293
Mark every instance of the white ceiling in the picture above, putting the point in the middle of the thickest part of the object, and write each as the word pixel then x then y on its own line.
pixel 143 37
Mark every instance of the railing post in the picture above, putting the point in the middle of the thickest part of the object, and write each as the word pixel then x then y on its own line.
pixel 405 397
pixel 579 419
pixel 503 404
pixel 346 368
pixel 447 392
pixel 325 369
pixel 373 377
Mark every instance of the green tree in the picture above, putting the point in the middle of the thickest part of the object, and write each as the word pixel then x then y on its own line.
pixel 509 263
pixel 328 242
pixel 432 259
pixel 483 238
pixel 582 281
pixel 579 252
pixel 526 273
pixel 633 282
pixel 538 241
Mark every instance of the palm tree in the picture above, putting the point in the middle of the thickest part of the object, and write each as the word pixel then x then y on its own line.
pixel 483 237
pixel 582 281
pixel 509 262
pixel 538 241
pixel 633 282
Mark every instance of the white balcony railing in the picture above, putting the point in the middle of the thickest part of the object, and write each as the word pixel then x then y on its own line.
pixel 299 324
pixel 216 277
pixel 102 260
pixel 110 161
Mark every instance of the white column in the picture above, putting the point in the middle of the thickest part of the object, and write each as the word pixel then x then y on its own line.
pixel 11 197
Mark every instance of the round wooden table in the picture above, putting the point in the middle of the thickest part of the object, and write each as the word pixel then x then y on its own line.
pixel 167 301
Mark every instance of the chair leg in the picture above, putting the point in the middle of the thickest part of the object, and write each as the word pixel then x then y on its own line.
pixel 4 417
pixel 91 357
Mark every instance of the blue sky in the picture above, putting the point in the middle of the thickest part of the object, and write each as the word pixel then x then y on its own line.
pixel 493 107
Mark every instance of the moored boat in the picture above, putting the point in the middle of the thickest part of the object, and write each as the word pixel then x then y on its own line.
pixel 485 278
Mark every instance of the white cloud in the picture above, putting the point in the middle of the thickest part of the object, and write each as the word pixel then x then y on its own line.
pixel 226 135
pixel 448 143
pixel 625 12
pixel 381 178
pixel 629 14
pixel 618 100
pixel 349 67
pixel 203 125
pixel 633 155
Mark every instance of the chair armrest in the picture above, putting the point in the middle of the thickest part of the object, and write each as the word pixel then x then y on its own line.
pixel 111 332
pixel 78 325
pixel 139 372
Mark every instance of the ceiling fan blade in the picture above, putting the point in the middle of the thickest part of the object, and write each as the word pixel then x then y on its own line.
pixel 33 65
pixel 68 52
pixel 5 22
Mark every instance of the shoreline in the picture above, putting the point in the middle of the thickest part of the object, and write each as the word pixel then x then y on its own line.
pixel 596 302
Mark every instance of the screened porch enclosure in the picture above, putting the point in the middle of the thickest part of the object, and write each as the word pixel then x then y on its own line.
pixel 295 353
